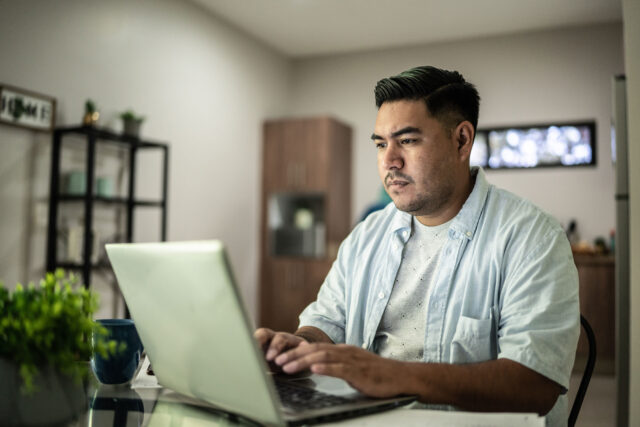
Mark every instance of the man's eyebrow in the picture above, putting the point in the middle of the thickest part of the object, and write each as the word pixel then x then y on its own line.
pixel 408 129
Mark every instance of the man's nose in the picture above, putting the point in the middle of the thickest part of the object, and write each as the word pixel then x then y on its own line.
pixel 392 158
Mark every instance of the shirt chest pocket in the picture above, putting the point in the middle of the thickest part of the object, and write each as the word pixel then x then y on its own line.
pixel 472 341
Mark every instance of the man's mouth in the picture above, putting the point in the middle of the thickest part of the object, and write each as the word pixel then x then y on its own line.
pixel 397 180
pixel 397 183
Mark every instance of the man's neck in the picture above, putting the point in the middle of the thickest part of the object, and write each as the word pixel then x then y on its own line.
pixel 458 199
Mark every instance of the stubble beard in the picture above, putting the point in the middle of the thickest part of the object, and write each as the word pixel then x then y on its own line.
pixel 424 203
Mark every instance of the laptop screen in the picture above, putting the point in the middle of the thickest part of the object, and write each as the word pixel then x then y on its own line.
pixel 193 324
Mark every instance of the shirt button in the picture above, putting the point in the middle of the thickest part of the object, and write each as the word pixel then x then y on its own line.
pixel 468 234
pixel 381 295
pixel 364 345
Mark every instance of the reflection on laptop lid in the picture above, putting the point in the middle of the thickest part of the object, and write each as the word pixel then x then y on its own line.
pixel 191 319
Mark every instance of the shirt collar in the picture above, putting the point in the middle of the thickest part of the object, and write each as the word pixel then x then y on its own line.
pixel 466 221
pixel 401 221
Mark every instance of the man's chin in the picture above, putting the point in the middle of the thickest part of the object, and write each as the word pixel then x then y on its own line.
pixel 405 207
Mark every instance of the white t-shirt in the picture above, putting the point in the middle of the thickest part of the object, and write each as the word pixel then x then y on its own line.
pixel 400 334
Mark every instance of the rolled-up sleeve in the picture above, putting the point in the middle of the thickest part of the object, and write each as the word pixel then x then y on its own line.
pixel 328 311
pixel 539 320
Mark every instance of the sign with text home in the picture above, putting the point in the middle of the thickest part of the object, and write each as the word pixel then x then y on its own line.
pixel 19 107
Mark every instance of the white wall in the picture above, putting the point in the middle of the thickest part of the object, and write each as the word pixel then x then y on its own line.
pixel 203 86
pixel 206 87
pixel 528 78
pixel 631 16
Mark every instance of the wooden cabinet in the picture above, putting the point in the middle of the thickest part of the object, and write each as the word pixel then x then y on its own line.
pixel 296 159
pixel 596 274
pixel 306 204
pixel 292 284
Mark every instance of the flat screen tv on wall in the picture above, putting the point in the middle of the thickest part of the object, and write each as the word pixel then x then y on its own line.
pixel 549 145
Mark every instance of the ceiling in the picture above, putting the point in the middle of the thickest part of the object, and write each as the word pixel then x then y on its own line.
pixel 301 28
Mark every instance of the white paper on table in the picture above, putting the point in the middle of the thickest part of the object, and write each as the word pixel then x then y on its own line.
pixel 428 417
pixel 144 380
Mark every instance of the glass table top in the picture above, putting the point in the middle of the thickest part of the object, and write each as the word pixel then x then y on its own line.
pixel 120 406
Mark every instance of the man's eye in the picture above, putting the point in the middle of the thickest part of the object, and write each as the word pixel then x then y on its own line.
pixel 380 145
pixel 407 141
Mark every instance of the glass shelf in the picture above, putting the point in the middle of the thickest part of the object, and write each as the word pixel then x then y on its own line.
pixel 108 200
pixel 296 224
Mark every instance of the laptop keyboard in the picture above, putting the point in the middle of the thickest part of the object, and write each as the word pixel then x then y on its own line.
pixel 296 397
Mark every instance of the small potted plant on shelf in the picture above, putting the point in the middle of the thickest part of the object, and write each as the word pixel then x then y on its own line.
pixel 131 123
pixel 45 344
pixel 91 114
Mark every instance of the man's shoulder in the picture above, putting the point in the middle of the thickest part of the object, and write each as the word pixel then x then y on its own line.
pixel 506 210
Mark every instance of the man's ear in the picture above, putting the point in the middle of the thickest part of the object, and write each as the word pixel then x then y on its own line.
pixel 464 135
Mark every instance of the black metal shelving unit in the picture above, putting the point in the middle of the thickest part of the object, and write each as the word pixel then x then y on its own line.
pixel 93 137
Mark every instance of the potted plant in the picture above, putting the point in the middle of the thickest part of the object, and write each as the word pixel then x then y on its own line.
pixel 91 114
pixel 45 344
pixel 131 123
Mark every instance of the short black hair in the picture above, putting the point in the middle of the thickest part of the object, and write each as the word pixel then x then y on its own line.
pixel 448 96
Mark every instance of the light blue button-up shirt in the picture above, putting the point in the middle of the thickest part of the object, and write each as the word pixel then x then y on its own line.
pixel 506 287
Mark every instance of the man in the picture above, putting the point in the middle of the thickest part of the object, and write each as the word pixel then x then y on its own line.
pixel 457 292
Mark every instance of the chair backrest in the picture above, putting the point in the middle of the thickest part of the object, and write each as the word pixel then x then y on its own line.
pixel 586 376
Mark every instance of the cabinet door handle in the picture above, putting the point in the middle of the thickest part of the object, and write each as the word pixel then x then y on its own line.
pixel 287 277
pixel 293 277
pixel 290 277
pixel 298 182
pixel 303 175
pixel 295 175
pixel 291 178
pixel 300 276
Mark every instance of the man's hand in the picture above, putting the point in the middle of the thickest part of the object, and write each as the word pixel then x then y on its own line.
pixel 273 343
pixel 497 385
pixel 368 373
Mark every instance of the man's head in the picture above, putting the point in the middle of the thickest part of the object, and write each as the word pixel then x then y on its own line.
pixel 448 96
pixel 424 132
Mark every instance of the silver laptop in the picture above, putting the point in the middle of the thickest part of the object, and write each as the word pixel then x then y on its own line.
pixel 196 332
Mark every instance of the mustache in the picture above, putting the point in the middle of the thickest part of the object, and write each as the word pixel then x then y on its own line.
pixel 397 175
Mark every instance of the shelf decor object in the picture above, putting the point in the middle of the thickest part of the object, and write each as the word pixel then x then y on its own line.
pixel 131 123
pixel 91 114
pixel 92 195
pixel 23 108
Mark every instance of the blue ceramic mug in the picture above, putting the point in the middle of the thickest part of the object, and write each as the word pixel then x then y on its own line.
pixel 120 367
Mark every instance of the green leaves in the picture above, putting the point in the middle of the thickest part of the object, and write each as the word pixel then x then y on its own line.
pixel 131 115
pixel 89 106
pixel 49 324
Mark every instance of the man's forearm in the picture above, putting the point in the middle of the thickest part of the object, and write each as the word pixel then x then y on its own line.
pixel 313 334
pixel 497 385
